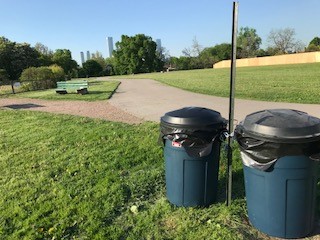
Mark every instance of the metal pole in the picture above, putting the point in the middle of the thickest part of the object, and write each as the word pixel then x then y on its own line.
pixel 231 100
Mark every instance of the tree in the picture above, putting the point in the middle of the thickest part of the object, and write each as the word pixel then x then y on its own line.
pixel 25 56
pixel 63 58
pixel 136 54
pixel 14 57
pixel 248 42
pixel 58 72
pixel 4 77
pixel 315 41
pixel 207 58
pixel 99 59
pixel 195 49
pixel 314 45
pixel 45 54
pixel 220 51
pixel 7 49
pixel 181 63
pixel 92 68
pixel 110 65
pixel 283 41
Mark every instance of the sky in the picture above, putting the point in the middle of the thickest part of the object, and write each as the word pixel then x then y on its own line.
pixel 84 25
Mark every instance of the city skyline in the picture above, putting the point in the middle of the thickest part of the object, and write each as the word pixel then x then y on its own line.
pixel 176 23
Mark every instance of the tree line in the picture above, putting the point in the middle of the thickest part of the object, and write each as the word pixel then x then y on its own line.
pixel 134 54
pixel 280 41
pixel 40 63
pixel 39 67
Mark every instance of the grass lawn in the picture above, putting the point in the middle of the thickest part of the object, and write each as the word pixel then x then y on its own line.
pixel 98 90
pixel 66 177
pixel 298 83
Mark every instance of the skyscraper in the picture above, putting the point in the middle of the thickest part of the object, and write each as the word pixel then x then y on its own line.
pixel 88 55
pixel 110 45
pixel 82 57
pixel 158 42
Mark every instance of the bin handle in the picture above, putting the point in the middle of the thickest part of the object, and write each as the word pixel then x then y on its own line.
pixel 225 135
pixel 315 157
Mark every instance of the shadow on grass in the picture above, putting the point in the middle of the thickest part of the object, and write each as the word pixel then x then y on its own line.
pixel 99 92
pixel 23 106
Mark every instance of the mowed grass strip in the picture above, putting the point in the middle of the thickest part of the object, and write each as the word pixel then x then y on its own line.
pixel 299 83
pixel 98 90
pixel 66 177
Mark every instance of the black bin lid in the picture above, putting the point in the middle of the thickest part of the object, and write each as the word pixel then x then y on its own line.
pixel 281 125
pixel 193 117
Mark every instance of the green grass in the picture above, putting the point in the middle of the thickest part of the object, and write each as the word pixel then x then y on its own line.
pixel 298 83
pixel 66 177
pixel 98 90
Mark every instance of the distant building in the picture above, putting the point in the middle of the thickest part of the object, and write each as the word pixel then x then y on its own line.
pixel 88 55
pixel 82 57
pixel 158 42
pixel 110 45
pixel 93 55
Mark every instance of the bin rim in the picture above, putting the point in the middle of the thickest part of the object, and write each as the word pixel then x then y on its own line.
pixel 193 117
pixel 305 129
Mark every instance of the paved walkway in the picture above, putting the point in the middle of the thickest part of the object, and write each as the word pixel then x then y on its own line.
pixel 149 99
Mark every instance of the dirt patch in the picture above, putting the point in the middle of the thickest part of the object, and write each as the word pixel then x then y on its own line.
pixel 98 109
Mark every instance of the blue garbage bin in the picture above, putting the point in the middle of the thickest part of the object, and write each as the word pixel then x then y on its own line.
pixel 280 149
pixel 191 138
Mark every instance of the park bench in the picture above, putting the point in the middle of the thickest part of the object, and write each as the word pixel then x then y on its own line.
pixel 81 87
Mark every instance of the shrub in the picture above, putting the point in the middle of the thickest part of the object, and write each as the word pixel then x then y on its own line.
pixel 58 72
pixel 36 78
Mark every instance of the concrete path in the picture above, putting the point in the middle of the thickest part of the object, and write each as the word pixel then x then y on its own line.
pixel 149 99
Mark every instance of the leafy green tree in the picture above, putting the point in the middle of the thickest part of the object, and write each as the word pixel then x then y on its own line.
pixel 7 49
pixel 4 77
pixel 207 59
pixel 26 56
pixel 92 68
pixel 220 51
pixel 99 59
pixel 312 48
pixel 315 41
pixel 181 63
pixel 63 58
pixel 248 42
pixel 314 45
pixel 136 54
pixel 82 73
pixel 45 54
pixel 110 66
pixel 14 57
pixel 58 72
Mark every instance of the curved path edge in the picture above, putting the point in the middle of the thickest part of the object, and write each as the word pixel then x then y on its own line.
pixel 149 100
